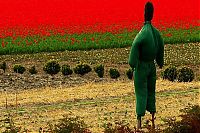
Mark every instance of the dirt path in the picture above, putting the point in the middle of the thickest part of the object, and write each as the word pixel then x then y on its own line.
pixel 96 102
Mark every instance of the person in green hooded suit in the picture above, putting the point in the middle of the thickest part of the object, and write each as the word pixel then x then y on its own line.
pixel 147 48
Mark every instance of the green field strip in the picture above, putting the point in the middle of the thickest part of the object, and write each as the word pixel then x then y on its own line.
pixel 88 41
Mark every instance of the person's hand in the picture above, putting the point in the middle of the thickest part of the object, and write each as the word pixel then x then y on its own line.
pixel 133 75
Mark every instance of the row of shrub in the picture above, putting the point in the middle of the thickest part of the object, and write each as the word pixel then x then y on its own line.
pixel 53 67
pixel 171 73
pixel 183 74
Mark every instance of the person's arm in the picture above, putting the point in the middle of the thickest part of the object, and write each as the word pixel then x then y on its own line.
pixel 160 53
pixel 134 52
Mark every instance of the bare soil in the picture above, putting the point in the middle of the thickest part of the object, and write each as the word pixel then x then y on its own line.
pixel 178 55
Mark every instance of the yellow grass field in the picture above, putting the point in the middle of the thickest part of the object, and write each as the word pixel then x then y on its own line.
pixel 97 102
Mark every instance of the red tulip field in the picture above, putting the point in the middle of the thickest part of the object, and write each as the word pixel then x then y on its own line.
pixel 35 26
pixel 64 66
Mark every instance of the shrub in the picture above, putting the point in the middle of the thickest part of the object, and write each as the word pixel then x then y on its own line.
pixel 170 73
pixel 66 70
pixel 33 70
pixel 129 73
pixel 99 70
pixel 3 66
pixel 82 69
pixel 52 67
pixel 71 125
pixel 114 73
pixel 185 74
pixel 19 69
pixel 189 123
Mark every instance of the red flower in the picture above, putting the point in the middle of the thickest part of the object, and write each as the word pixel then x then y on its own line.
pixel 92 39
pixel 84 39
pixel 3 44
pixel 168 34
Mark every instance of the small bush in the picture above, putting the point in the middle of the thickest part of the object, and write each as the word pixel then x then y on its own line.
pixel 82 69
pixel 19 69
pixel 99 70
pixel 114 73
pixel 3 66
pixel 33 70
pixel 185 74
pixel 170 73
pixel 71 125
pixel 129 73
pixel 66 70
pixel 189 123
pixel 52 67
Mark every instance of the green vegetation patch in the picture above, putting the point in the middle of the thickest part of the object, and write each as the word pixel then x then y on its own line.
pixel 88 41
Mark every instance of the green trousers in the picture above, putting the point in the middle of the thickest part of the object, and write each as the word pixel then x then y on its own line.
pixel 145 82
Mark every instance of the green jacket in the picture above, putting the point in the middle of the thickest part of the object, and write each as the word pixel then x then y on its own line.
pixel 147 46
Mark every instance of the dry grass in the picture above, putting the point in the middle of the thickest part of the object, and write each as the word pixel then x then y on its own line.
pixel 88 91
pixel 96 102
